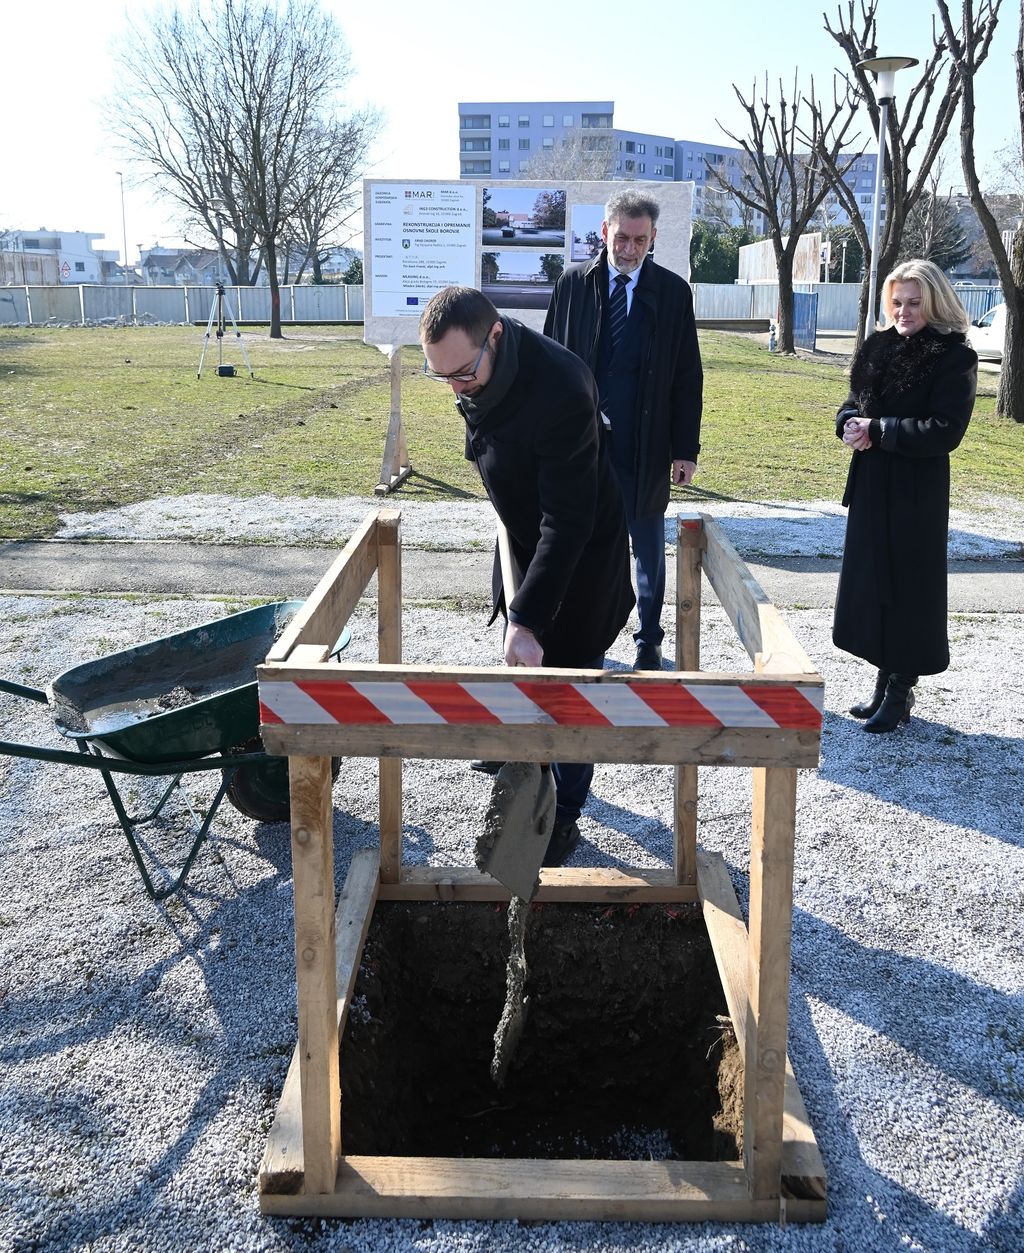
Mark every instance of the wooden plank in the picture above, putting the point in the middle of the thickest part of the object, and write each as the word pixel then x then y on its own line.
pixel 761 628
pixel 689 549
pixel 771 909
pixel 802 1166
pixel 389 650
pixel 323 616
pixel 395 467
pixel 281 1169
pixel 313 871
pixel 562 883
pixel 705 746
pixel 476 1188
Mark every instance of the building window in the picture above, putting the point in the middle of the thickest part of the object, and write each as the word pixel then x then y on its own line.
pixel 630 146
pixel 549 119
pixel 641 147
pixel 567 119
pixel 503 145
pixel 669 172
pixel 476 145
pixel 524 120
pixel 548 142
pixel 476 167
pixel 523 165
pixel 657 169
pixel 80 267
pixel 524 145
pixel 641 167
pixel 503 119
pixel 669 151
pixel 475 121
pixel 503 167
pixel 630 165
pixel 589 121
pixel 30 243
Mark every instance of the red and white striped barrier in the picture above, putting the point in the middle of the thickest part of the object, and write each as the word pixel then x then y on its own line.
pixel 445 703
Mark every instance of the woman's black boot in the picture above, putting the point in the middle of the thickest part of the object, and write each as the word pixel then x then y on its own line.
pixel 870 707
pixel 896 704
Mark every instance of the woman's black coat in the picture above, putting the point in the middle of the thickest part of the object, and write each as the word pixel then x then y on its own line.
pixel 540 457
pixel 891 604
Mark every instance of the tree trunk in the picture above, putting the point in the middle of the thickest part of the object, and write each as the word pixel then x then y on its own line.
pixel 1010 399
pixel 270 258
pixel 784 265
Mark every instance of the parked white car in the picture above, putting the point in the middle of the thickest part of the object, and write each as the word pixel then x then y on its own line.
pixel 988 334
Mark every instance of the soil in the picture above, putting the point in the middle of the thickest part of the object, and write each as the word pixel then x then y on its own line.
pixel 626 1052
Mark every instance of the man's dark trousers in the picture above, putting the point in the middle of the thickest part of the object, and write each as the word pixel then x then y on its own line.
pixel 619 380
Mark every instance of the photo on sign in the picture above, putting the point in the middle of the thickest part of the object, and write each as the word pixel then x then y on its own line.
pixel 586 231
pixel 517 217
pixel 516 279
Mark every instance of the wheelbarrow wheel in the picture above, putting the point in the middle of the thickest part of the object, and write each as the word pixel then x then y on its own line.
pixel 260 791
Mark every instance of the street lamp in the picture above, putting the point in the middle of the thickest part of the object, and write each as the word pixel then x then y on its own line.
pixel 124 229
pixel 884 68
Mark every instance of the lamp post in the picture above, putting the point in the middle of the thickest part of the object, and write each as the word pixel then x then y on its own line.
pixel 884 69
pixel 124 229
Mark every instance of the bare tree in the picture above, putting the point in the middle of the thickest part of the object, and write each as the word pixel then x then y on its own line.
pixel 910 125
pixel 327 207
pixel 969 46
pixel 781 183
pixel 230 111
pixel 582 155
pixel 933 229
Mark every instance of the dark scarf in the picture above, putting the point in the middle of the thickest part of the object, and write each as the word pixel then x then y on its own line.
pixel 506 366
pixel 889 363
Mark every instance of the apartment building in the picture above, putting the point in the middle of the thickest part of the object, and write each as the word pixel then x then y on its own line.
pixel 497 140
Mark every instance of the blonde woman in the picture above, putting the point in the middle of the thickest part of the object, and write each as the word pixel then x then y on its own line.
pixel 912 390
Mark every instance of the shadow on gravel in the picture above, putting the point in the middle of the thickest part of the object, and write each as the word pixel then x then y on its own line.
pixel 966 780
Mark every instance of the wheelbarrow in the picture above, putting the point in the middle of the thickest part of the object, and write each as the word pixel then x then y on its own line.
pixel 178 705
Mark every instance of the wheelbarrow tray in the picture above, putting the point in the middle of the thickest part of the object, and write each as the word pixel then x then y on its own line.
pixel 176 698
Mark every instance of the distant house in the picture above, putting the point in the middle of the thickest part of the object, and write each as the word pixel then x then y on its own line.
pixel 45 256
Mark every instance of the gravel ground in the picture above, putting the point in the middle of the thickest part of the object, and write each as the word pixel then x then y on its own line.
pixel 143 1046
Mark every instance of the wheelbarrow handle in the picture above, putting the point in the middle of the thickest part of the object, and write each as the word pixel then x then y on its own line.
pixel 19 689
pixel 116 765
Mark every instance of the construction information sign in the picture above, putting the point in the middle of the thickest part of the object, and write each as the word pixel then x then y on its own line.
pixel 424 237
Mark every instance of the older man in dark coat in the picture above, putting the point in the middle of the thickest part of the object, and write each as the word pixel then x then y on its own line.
pixel 530 409
pixel 632 322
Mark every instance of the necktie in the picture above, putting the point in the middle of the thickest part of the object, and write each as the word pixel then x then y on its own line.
pixel 617 309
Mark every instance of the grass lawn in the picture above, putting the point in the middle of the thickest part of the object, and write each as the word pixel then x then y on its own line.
pixel 92 418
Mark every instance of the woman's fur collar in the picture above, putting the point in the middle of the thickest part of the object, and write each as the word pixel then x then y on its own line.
pixel 889 364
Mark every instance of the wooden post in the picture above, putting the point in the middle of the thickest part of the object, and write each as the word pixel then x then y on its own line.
pixel 313 873
pixel 389 646
pixel 771 904
pixel 689 548
pixel 395 467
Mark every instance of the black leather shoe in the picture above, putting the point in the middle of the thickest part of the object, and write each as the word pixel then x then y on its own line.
pixel 562 844
pixel 895 708
pixel 485 767
pixel 868 708
pixel 648 657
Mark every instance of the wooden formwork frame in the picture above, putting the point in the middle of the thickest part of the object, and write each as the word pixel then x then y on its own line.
pixel 768 720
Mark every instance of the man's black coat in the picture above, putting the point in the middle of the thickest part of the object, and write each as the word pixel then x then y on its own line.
pixel 540 458
pixel 669 407
pixel 891 602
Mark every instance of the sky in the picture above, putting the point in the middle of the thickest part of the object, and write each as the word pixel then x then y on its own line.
pixel 669 67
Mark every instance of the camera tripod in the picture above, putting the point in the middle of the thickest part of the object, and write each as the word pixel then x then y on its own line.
pixel 217 311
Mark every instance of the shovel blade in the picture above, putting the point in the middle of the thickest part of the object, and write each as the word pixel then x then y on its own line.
pixel 517 826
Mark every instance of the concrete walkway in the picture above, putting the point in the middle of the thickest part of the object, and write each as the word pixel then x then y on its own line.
pixel 283 571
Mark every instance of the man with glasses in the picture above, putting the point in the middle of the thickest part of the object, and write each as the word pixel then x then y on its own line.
pixel 632 322
pixel 530 409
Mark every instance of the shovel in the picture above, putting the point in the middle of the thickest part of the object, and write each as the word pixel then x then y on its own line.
pixel 517 826
pixel 521 814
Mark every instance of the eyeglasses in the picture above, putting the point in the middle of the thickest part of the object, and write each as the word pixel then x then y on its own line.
pixel 468 377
